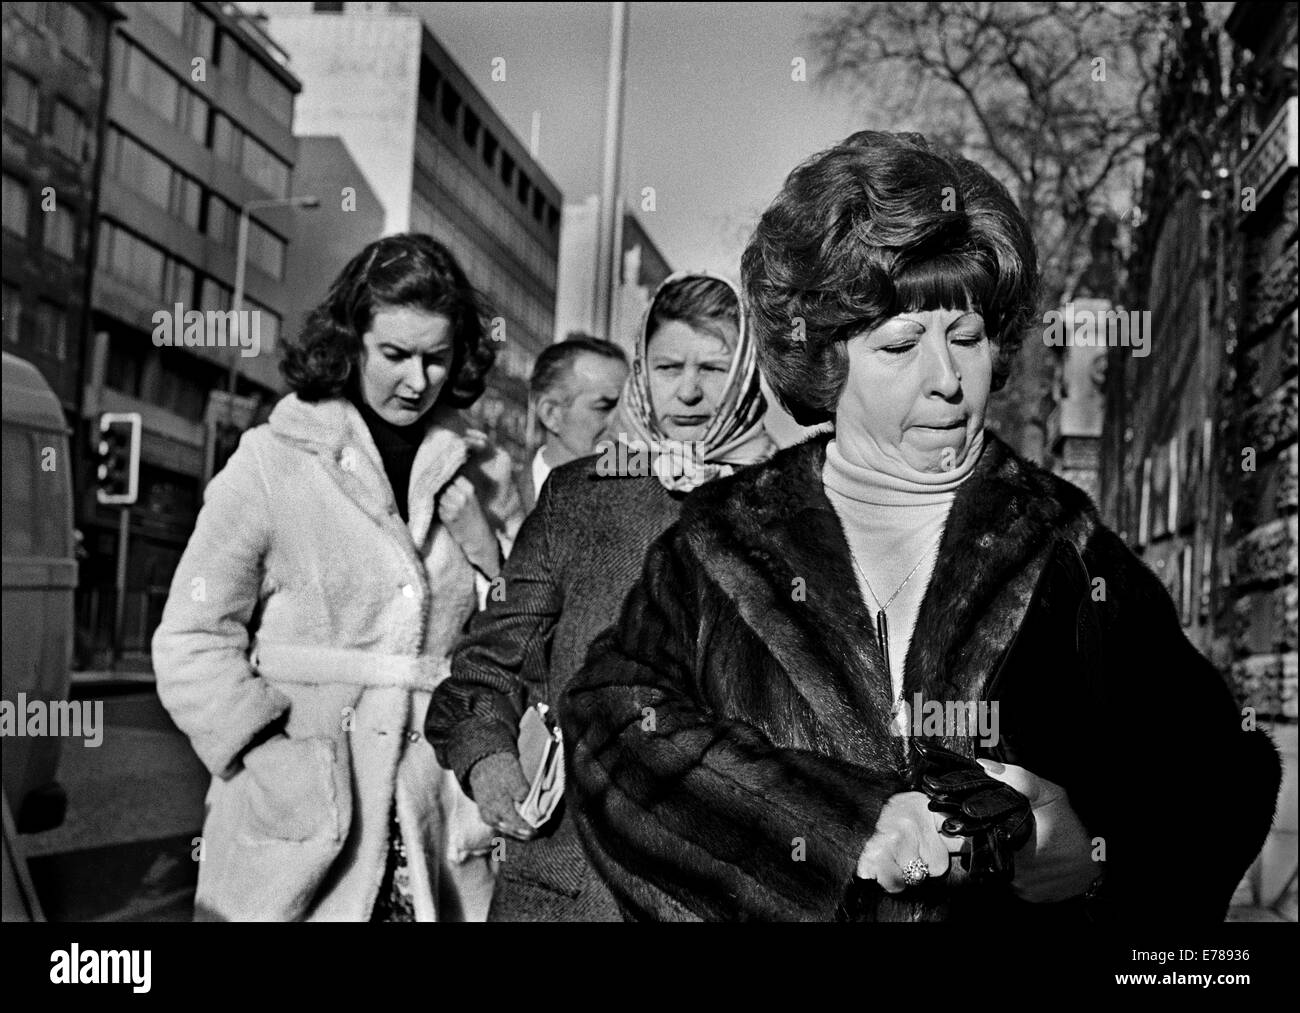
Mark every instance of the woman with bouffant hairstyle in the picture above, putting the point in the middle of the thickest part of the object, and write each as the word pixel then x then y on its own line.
pixel 895 673
pixel 337 556
pixel 869 230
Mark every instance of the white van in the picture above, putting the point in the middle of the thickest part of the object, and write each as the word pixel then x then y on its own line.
pixel 39 579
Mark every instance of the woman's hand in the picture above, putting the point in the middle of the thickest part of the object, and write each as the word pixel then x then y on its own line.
pixel 459 510
pixel 906 830
pixel 497 782
pixel 1056 864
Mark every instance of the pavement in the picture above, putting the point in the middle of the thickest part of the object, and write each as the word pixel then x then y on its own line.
pixel 135 805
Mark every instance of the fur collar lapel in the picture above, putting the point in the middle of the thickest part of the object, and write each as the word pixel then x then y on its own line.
pixel 335 431
pixel 771 540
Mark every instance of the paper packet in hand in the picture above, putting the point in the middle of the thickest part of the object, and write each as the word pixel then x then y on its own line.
pixel 541 755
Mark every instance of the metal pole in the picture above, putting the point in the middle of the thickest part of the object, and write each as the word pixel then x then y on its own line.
pixel 610 204
pixel 237 300
pixel 119 607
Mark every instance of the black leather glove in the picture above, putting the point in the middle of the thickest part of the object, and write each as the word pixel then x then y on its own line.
pixel 995 819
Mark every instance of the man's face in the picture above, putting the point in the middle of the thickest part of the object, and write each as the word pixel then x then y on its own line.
pixel 575 415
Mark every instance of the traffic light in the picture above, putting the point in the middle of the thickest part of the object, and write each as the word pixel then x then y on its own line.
pixel 117 458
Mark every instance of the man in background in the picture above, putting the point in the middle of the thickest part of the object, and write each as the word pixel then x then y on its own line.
pixel 576 385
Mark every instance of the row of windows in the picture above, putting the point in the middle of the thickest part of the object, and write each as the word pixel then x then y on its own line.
pixel 482 204
pixel 257 163
pixel 59 235
pixel 156 179
pixel 44 331
pixel 67 23
pixel 439 94
pixel 167 280
pixel 507 297
pixel 199 31
pixel 68 130
pixel 150 82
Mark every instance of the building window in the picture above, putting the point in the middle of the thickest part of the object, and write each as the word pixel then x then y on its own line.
pixel 270 93
pixel 226 138
pixel 429 78
pixel 178 283
pixel 51 330
pixel 552 217
pixel 15 205
pixel 76 34
pixel 262 167
pixel 151 83
pixel 266 250
pixel 154 178
pixel 233 58
pixel 13 313
pixel 489 148
pixel 539 204
pixel 450 104
pixel 186 200
pixel 522 190
pixel 507 169
pixel 69 131
pixel 221 221
pixel 192 117
pixel 200 31
pixel 61 232
pixel 132 259
pixel 22 100
pixel 214 296
pixel 170 14
pixel 470 128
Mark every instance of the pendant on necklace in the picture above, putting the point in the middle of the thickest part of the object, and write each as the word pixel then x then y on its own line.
pixel 882 635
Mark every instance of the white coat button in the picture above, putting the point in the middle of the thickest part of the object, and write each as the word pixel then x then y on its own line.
pixel 413 736
pixel 348 459
pixel 408 591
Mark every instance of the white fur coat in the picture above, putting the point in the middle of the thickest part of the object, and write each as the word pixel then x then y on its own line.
pixel 302 593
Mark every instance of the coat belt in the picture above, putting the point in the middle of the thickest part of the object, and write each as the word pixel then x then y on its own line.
pixel 319 665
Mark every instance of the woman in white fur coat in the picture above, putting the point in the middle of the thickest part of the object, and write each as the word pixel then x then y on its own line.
pixel 333 564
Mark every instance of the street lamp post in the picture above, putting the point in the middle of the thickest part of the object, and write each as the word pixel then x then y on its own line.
pixel 241 259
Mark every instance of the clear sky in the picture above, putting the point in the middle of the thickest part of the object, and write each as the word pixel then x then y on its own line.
pixel 713 119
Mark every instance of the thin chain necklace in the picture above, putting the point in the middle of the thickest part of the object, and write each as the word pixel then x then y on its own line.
pixel 882 621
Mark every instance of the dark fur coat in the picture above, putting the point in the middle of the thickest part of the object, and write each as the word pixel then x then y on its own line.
pixel 729 740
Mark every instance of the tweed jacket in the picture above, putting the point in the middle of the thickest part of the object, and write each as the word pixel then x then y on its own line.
pixel 303 603
pixel 575 558
pixel 730 738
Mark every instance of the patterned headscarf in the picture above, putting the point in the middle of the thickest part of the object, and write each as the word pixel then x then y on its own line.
pixel 735 437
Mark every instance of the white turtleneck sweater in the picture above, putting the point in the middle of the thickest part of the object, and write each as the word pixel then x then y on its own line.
pixel 893 517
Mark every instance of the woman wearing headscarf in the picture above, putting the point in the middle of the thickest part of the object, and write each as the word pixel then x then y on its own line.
pixel 897 672
pixel 334 561
pixel 692 411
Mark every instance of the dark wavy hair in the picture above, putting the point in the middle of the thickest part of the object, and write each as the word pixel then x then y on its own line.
pixel 878 225
pixel 408 270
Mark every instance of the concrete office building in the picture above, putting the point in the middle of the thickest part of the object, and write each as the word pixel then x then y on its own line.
pixel 443 162
pixel 349 217
pixel 199 123
pixel 55 81
pixel 643 267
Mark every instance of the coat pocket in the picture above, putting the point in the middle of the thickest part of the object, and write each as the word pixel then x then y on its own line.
pixel 297 789
pixel 274 831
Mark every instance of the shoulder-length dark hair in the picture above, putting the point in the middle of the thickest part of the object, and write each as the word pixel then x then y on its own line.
pixel 878 225
pixel 408 270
